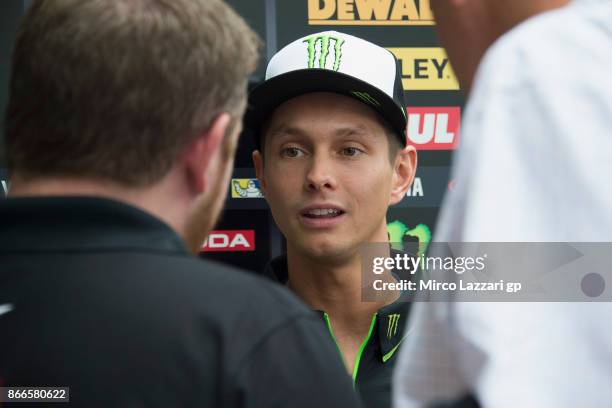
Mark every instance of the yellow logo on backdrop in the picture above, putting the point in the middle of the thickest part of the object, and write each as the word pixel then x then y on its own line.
pixel 246 188
pixel 370 12
pixel 426 69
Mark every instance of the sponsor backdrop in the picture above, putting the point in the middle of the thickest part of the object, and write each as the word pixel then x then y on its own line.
pixel 246 235
pixel 404 27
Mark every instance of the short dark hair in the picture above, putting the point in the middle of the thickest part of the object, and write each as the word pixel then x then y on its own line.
pixel 115 89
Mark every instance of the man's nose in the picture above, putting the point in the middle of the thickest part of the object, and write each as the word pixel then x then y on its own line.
pixel 319 175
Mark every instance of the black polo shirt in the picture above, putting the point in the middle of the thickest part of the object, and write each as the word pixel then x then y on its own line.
pixel 372 375
pixel 103 298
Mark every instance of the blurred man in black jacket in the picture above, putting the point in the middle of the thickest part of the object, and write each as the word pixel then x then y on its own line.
pixel 120 132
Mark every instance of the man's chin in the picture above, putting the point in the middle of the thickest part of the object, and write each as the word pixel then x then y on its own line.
pixel 328 252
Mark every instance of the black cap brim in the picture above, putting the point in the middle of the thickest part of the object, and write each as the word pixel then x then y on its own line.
pixel 265 98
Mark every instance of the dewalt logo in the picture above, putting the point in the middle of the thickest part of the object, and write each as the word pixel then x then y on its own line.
pixel 426 69
pixel 370 12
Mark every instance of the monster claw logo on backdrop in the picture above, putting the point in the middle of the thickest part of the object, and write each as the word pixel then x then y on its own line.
pixel 398 230
pixel 392 326
pixel 370 12
pixel 246 188
pixel 325 41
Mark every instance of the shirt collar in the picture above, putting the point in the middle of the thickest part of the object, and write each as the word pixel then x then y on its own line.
pixel 81 224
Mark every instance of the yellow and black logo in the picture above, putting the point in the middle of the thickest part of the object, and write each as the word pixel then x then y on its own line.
pixel 370 12
pixel 246 188
pixel 426 69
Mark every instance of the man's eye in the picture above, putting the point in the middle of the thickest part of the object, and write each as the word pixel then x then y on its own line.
pixel 351 151
pixel 291 152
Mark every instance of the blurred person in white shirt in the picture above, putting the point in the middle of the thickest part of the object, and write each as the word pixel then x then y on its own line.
pixel 534 166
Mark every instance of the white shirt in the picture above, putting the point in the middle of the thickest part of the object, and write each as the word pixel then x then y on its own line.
pixel 535 166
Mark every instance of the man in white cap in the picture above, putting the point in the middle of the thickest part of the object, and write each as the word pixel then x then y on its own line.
pixel 331 156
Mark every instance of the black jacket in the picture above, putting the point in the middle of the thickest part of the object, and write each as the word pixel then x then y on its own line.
pixel 104 298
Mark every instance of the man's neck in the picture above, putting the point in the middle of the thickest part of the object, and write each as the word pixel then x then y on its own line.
pixel 335 288
pixel 507 17
pixel 153 200
pixel 495 19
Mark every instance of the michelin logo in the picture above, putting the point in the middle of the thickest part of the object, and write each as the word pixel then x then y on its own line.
pixel 246 188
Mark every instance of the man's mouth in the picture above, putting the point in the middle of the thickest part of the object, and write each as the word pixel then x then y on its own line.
pixel 317 213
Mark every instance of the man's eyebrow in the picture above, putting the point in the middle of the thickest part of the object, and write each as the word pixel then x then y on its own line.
pixel 287 131
pixel 357 130
pixel 284 130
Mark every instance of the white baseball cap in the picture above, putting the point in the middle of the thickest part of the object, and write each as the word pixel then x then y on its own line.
pixel 331 61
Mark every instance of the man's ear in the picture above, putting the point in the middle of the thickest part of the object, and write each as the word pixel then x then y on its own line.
pixel 403 174
pixel 259 170
pixel 202 152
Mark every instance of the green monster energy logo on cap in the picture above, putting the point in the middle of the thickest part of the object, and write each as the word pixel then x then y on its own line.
pixel 392 327
pixel 325 41
pixel 366 98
